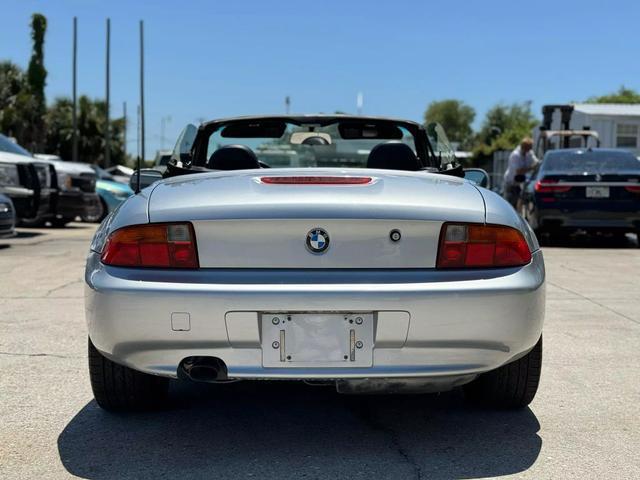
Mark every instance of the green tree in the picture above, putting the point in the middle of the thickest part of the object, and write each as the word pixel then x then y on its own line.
pixel 91 127
pixel 12 83
pixel 503 127
pixel 623 95
pixel 455 117
pixel 36 79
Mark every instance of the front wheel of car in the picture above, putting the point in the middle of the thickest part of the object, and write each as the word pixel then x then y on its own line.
pixel 513 385
pixel 99 214
pixel 119 388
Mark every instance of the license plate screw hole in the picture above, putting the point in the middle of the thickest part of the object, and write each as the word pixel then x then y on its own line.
pixel 275 320
pixel 359 344
pixel 288 318
pixel 346 357
pixel 351 320
pixel 276 345
pixel 288 357
pixel 359 320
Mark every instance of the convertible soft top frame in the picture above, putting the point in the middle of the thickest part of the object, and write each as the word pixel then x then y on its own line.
pixel 424 150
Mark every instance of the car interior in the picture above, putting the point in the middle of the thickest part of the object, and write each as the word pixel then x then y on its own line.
pixel 391 155
pixel 268 143
pixel 311 142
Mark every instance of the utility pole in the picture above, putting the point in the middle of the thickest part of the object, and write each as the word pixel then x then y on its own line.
pixel 163 126
pixel 142 91
pixel 74 135
pixel 359 102
pixel 287 104
pixel 124 131
pixel 107 137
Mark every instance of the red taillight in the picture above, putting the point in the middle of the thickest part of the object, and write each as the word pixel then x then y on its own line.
pixel 477 246
pixel 159 245
pixel 547 185
pixel 633 188
pixel 316 180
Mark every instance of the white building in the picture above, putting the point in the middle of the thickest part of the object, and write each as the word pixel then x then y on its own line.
pixel 617 124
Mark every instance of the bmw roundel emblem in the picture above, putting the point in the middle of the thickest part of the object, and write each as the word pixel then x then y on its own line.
pixel 317 240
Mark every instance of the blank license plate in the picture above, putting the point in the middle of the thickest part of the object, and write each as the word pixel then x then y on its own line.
pixel 317 339
pixel 597 192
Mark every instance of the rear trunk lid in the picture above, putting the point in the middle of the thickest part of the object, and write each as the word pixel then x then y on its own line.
pixel 604 191
pixel 242 222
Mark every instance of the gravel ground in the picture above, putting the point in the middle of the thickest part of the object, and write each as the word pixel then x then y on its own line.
pixel 584 423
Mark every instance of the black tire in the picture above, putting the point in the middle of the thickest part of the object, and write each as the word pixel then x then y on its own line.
pixel 540 232
pixel 559 237
pixel 60 222
pixel 99 215
pixel 513 385
pixel 119 388
pixel 37 222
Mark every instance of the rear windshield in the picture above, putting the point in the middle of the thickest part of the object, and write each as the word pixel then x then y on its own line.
pixel 101 173
pixel 590 162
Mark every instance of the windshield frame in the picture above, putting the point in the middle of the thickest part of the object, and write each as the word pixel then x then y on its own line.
pixel 423 150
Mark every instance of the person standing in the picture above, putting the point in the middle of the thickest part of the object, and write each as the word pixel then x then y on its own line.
pixel 521 161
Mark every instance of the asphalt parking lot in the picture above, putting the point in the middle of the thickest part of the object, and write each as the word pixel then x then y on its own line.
pixel 584 423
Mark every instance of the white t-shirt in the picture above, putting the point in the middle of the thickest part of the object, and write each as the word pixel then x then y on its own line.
pixel 518 161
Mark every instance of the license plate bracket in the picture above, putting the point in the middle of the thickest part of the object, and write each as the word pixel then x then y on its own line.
pixel 293 339
pixel 597 192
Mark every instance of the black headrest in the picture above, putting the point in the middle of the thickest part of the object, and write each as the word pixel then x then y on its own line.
pixel 393 156
pixel 233 157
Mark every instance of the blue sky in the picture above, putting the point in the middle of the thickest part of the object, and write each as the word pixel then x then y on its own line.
pixel 210 59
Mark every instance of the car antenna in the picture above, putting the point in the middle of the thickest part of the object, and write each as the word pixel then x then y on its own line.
pixel 141 116
pixel 138 179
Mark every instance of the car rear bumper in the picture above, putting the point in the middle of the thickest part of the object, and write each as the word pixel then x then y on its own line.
pixel 7 227
pixel 552 218
pixel 427 323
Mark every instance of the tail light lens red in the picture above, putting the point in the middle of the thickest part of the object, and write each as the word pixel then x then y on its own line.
pixel 633 188
pixel 481 246
pixel 548 185
pixel 157 245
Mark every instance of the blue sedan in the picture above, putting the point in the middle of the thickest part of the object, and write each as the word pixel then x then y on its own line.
pixel 111 193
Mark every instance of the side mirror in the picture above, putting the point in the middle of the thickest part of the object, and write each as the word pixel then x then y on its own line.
pixel 478 176
pixel 148 176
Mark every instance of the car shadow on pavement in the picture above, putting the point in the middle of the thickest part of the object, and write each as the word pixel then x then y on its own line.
pixel 290 430
pixel 27 233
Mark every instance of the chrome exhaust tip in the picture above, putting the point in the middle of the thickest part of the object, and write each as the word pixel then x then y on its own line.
pixel 203 369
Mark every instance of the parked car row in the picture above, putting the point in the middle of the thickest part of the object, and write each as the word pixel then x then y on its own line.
pixel 45 189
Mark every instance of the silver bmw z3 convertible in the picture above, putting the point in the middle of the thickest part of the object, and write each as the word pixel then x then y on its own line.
pixel 341 250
